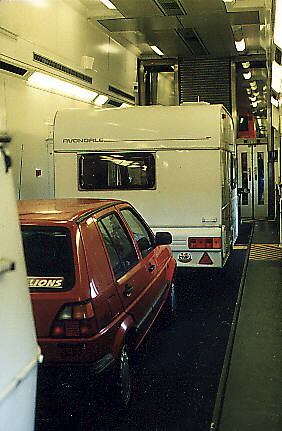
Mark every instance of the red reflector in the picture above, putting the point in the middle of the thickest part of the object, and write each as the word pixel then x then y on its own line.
pixel 205 260
pixel 58 331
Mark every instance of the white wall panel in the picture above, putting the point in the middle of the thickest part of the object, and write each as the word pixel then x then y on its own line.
pixel 59 30
pixel 56 29
pixel 30 112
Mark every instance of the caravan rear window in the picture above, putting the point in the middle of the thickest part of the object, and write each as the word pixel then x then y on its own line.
pixel 110 171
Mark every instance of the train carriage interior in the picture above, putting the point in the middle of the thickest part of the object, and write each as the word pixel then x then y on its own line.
pixel 216 366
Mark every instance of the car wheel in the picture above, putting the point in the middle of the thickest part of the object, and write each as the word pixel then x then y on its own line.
pixel 123 381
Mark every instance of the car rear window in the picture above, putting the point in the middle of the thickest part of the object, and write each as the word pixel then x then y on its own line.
pixel 49 258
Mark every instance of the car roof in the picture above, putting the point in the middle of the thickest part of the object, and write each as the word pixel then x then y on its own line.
pixel 60 209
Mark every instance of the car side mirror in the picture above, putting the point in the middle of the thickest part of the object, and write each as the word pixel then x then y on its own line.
pixel 163 238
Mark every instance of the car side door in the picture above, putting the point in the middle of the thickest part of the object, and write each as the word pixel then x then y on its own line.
pixel 154 259
pixel 126 263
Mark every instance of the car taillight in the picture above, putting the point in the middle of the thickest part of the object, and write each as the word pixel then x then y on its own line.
pixel 203 242
pixel 76 320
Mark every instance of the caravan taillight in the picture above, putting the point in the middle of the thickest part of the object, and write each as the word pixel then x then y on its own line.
pixel 203 242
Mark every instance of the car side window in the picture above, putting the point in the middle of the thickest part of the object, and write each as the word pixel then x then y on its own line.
pixel 143 236
pixel 118 243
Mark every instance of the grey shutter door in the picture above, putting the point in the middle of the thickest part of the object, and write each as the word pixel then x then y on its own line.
pixel 207 80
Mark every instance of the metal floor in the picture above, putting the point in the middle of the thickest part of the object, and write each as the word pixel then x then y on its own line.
pixel 249 392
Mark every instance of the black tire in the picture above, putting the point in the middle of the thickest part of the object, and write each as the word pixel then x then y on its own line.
pixel 123 379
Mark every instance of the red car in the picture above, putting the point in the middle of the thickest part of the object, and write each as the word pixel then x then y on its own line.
pixel 98 278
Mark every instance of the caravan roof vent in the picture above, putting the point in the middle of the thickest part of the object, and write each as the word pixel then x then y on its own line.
pixel 12 68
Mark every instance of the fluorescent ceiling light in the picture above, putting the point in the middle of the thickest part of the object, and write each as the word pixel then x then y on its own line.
pixel 276 77
pixel 278 24
pixel 240 44
pixel 100 100
pixel 156 49
pixel 274 102
pixel 47 82
pixel 246 64
pixel 108 4
pixel 247 75
pixel 125 105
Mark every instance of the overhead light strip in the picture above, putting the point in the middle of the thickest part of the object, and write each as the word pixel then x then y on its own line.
pixel 276 77
pixel 49 83
pixel 101 100
pixel 274 102
pixel 156 49
pixel 108 4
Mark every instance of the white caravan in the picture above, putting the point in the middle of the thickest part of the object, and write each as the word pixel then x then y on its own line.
pixel 19 350
pixel 175 164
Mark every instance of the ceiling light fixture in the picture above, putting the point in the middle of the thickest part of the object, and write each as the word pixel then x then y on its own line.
pixel 156 49
pixel 276 77
pixel 247 75
pixel 274 102
pixel 126 105
pixel 49 83
pixel 100 100
pixel 240 45
pixel 246 64
pixel 108 4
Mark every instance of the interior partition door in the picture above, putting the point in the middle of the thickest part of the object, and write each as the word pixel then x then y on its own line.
pixel 253 180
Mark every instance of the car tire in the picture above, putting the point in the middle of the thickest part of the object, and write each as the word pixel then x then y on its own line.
pixel 123 379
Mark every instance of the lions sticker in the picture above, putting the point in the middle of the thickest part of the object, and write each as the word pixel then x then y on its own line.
pixel 45 282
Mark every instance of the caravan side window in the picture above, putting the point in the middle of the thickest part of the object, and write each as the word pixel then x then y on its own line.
pixel 111 171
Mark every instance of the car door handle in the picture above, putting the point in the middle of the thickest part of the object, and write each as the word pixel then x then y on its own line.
pixel 128 290
pixel 151 268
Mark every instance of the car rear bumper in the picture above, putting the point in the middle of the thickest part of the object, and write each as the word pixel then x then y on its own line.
pixel 76 375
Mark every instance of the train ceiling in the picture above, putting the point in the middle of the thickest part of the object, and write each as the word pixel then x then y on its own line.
pixel 190 28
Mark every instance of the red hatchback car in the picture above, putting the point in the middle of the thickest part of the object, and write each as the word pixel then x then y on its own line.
pixel 98 278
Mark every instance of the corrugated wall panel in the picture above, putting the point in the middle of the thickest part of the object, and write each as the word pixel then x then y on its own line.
pixel 206 80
